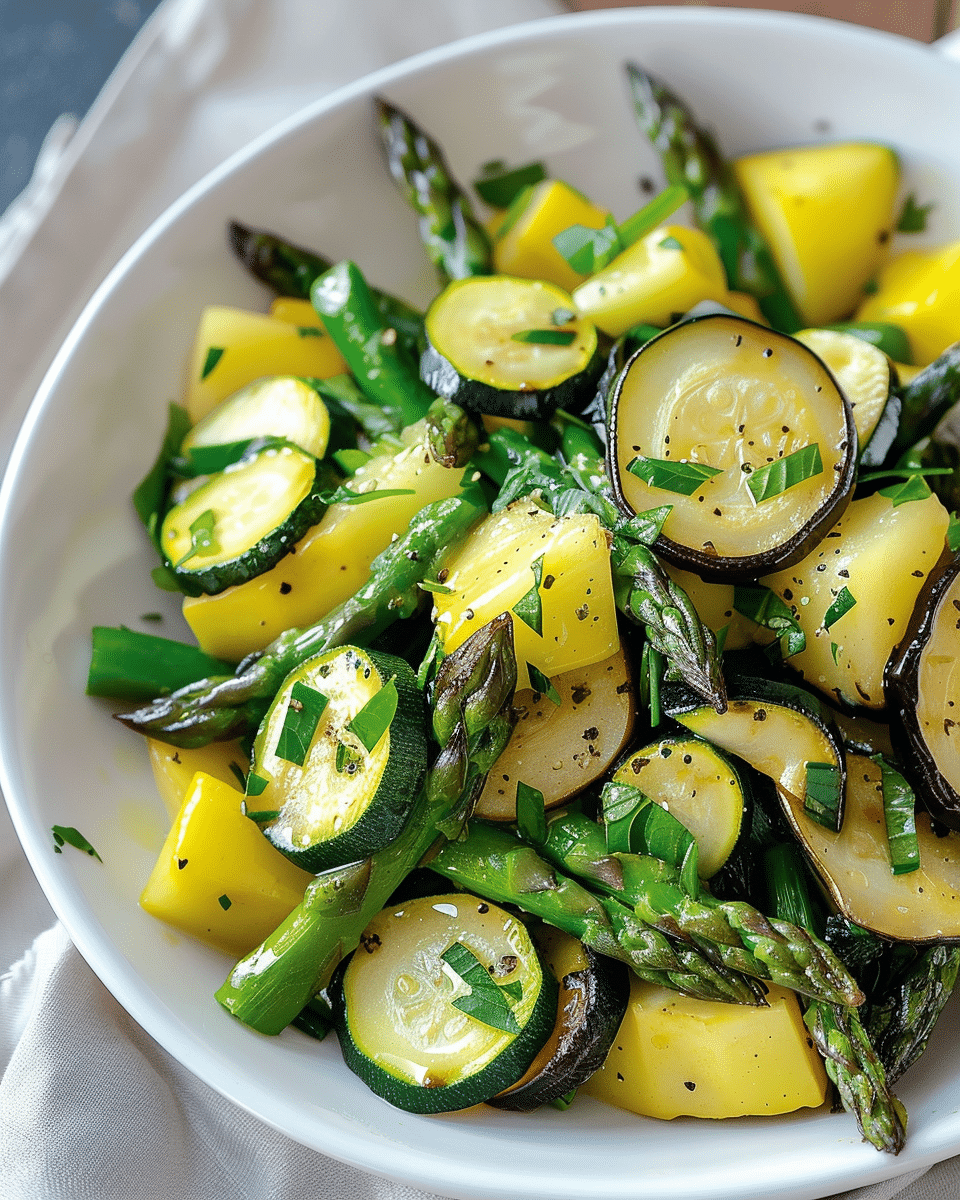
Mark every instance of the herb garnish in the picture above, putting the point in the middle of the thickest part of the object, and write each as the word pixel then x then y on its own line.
pixel 682 477
pixel 304 710
pixel 486 1002
pixel 531 815
pixel 373 720
pixel 529 608
pixel 545 337
pixel 67 835
pixel 214 354
pixel 498 185
pixel 821 799
pixel 777 477
pixel 845 600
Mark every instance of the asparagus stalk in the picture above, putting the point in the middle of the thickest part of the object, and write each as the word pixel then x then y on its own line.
pixel 128 665
pixel 455 241
pixel 495 864
pixel 927 398
pixel 691 157
pixel 222 707
pixel 733 933
pixel 473 693
pixel 452 434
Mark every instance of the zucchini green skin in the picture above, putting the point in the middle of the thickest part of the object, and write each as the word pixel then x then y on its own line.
pixel 394 793
pixel 263 553
pixel 886 337
pixel 902 688
pixel 507 1067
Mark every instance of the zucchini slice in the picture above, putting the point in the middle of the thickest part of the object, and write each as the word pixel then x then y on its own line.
pixel 701 787
pixel 744 433
pixel 868 380
pixel 280 407
pixel 780 730
pixel 445 1003
pixel 241 521
pixel 562 749
pixel 510 347
pixel 339 757
pixel 593 996
pixel 855 867
pixel 922 683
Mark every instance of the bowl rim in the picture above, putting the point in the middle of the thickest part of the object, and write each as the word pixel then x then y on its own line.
pixel 106 960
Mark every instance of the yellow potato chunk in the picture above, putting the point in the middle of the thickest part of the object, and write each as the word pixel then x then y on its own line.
pixel 234 347
pixel 526 248
pixel 217 877
pixel 919 290
pixel 174 768
pixel 556 569
pixel 661 275
pixel 828 214
pixel 330 563
pixel 296 312
pixel 675 1056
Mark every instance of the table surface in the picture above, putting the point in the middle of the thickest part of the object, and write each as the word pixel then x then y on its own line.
pixel 55 56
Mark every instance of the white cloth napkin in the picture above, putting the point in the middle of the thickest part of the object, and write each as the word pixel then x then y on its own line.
pixel 90 1107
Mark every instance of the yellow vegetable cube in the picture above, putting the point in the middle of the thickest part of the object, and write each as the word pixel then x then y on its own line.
pixel 296 312
pixel 919 290
pixel 675 1056
pixel 330 563
pixel 660 276
pixel 217 877
pixel 233 348
pixel 827 213
pixel 174 768
pixel 525 249
pixel 548 571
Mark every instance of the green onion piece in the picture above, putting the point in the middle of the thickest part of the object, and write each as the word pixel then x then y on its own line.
pixel 777 477
pixel 788 886
pixel 646 219
pixel 300 722
pixel 498 185
pixel 845 600
pixel 256 784
pixel 913 216
pixel 587 250
pixel 563 1102
pixel 66 835
pixel 529 608
pixel 821 799
pixel 213 356
pixel 515 211
pixel 486 1002
pixel 682 477
pixel 541 683
pixel 225 902
pixel 545 337
pixel 344 495
pixel 899 814
pixel 531 814
pixel 373 720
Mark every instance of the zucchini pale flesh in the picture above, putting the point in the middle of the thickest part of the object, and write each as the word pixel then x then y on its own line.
pixel 744 433
pixel 510 347
pixel 445 1003
pixel 923 689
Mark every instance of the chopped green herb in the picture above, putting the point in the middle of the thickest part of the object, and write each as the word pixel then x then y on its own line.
pixel 203 541
pixel 531 815
pixel 499 185
pixel 153 617
pixel 682 477
pixel 256 784
pixel 835 650
pixel 587 250
pixel 263 815
pixel 646 219
pixel 914 488
pixel 66 835
pixel 764 607
pixel 913 216
pixel 529 608
pixel 899 814
pixel 844 601
pixel 344 495
pixel 540 683
pixel 486 1001
pixel 214 354
pixel 309 331
pixel 225 902
pixel 304 710
pixel 646 526
pixel 821 799
pixel 635 824
pixel 563 1102
pixel 351 460
pixel 149 497
pixel 515 211
pixel 431 585
pixel 373 720
pixel 787 472
pixel 545 337
pixel 165 579
pixel 953 533
pixel 240 775
pixel 670 243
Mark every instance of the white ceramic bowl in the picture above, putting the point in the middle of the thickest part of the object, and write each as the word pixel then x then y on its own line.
pixel 72 555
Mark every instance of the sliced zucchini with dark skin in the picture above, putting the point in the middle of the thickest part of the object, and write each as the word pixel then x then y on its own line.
pixel 339 758
pixel 561 749
pixel 282 406
pixel 744 433
pixel 922 683
pixel 855 866
pixel 445 1003
pixel 868 380
pixel 780 730
pixel 241 521
pixel 700 786
pixel 510 347
pixel 593 996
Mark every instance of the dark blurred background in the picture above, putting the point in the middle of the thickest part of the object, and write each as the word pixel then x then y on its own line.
pixel 55 56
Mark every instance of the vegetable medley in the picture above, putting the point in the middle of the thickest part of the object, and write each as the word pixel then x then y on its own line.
pixel 572 708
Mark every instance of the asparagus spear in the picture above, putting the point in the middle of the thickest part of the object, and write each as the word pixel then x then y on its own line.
pixel 452 433
pixel 495 864
pixel 454 239
pixel 222 707
pixel 691 157
pixel 128 665
pixel 734 933
pixel 473 693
